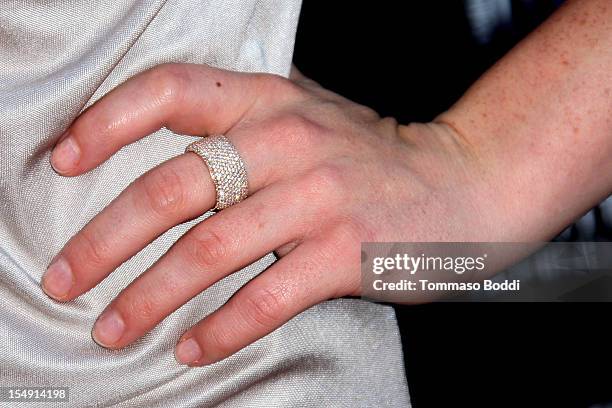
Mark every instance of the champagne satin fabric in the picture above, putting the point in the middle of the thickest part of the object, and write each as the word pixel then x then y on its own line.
pixel 57 58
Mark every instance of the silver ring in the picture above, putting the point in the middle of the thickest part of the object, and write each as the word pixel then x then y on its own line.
pixel 227 169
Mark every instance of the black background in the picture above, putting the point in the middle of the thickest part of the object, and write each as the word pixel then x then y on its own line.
pixel 411 60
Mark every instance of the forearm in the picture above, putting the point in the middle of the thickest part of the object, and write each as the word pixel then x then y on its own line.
pixel 540 123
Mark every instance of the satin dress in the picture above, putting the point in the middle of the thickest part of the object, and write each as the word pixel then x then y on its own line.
pixel 57 58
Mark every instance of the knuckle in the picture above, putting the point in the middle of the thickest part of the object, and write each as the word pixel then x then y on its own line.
pixel 206 249
pixel 262 309
pixel 325 184
pixel 168 81
pixel 298 131
pixel 164 191
pixel 342 243
pixel 97 249
pixel 141 307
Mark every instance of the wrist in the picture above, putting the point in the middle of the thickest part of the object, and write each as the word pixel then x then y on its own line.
pixel 538 184
pixel 457 172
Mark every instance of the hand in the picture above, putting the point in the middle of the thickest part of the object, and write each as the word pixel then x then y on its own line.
pixel 324 173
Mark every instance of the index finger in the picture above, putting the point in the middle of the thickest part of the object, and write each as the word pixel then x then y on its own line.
pixel 186 98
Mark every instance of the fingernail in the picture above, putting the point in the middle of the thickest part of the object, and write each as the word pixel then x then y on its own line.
pixel 108 328
pixel 58 279
pixel 65 155
pixel 188 351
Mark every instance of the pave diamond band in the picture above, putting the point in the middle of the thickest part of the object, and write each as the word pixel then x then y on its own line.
pixel 226 168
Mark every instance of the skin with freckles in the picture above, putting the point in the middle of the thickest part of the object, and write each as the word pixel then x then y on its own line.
pixel 522 154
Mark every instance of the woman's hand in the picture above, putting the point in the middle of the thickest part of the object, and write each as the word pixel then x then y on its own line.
pixel 325 174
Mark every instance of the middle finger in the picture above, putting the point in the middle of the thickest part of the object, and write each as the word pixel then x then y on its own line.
pixel 208 252
pixel 171 193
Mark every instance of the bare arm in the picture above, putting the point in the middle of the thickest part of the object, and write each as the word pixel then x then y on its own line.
pixel 540 121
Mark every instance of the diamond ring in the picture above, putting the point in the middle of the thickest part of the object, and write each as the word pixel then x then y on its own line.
pixel 226 167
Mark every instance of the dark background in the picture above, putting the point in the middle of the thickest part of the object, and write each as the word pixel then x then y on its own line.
pixel 411 60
